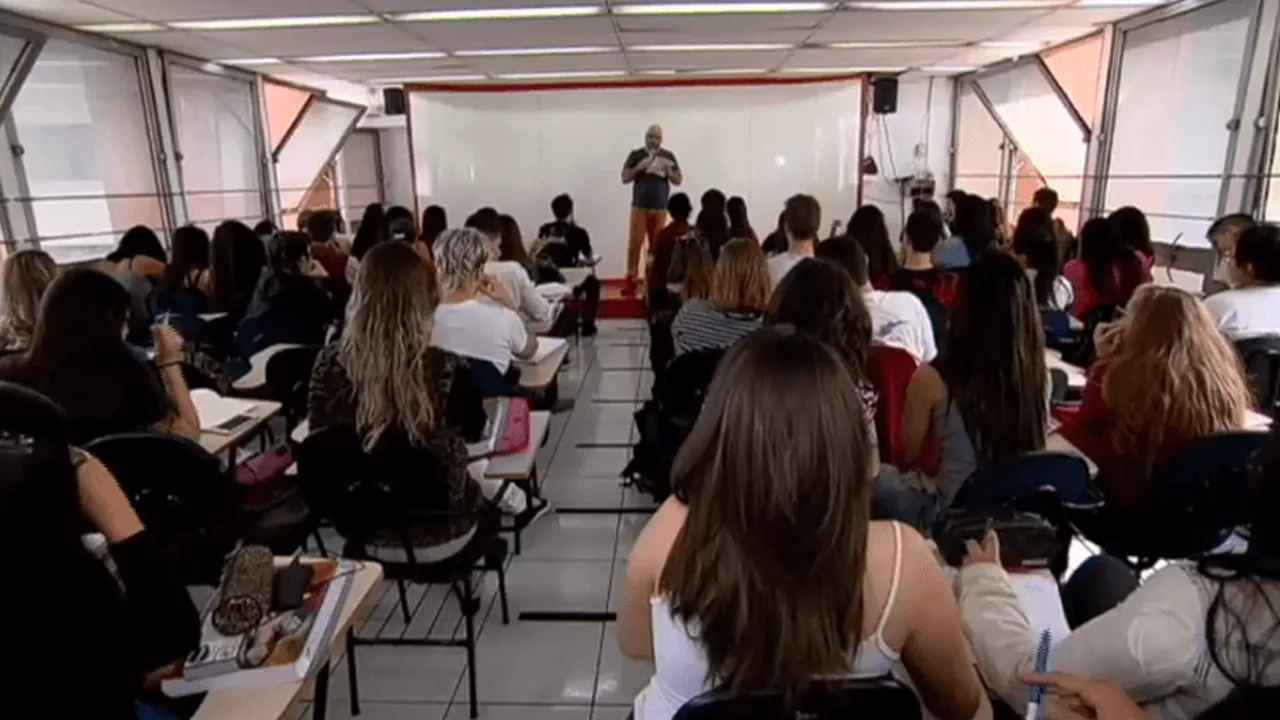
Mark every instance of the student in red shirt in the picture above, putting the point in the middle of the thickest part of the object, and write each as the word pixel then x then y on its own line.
pixel 664 243
pixel 1165 375
pixel 1107 272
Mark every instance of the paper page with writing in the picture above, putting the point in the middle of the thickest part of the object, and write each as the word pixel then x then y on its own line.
pixel 215 410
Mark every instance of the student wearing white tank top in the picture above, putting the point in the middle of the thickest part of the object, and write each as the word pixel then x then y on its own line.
pixel 764 571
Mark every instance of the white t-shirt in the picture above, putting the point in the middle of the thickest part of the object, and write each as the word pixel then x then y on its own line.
pixel 1062 295
pixel 1248 312
pixel 898 319
pixel 781 264
pixel 481 329
pixel 515 279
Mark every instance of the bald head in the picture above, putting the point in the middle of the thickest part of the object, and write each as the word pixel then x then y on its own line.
pixel 653 137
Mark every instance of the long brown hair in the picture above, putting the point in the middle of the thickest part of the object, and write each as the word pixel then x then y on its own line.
pixel 385 345
pixel 741 282
pixel 1172 376
pixel 819 297
pixel 699 270
pixel 769 564
pixel 993 360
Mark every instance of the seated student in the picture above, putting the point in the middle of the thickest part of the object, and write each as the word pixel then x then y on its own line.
pixel 290 304
pixel 384 380
pixel 739 220
pixel 509 266
pixel 868 229
pixel 666 261
pixel 898 319
pixel 1251 307
pixel 184 290
pixel 974 230
pixel 265 230
pixel 802 217
pixel 820 298
pixel 918 274
pixel 1164 376
pixel 1130 227
pixel 746 580
pixel 739 294
pixel 1223 235
pixel 323 232
pixel 27 275
pixel 1107 271
pixel 1047 200
pixel 136 263
pixel 79 359
pixel 712 223
pixel 1034 241
pixel 132 627
pixel 372 231
pixel 1196 639
pixel 400 225
pixel 565 244
pixel 476 317
pixel 776 242
pixel 984 399
pixel 239 257
pixel 434 221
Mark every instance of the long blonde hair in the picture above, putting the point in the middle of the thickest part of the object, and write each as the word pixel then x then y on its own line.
pixel 27 274
pixel 385 343
pixel 1173 375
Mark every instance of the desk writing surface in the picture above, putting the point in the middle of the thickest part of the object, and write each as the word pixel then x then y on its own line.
pixel 263 410
pixel 520 465
pixel 575 276
pixel 257 376
pixel 539 375
pixel 1077 377
pixel 270 703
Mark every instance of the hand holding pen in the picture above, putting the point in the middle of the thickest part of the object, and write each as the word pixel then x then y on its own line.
pixel 1079 698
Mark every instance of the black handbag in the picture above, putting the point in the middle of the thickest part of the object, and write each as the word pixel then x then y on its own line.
pixel 1027 540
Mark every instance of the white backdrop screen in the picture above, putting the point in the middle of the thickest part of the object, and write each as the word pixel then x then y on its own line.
pixel 517 150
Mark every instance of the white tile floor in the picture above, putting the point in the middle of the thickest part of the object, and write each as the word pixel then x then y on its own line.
pixel 536 670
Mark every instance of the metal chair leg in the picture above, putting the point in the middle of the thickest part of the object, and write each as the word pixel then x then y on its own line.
pixel 468 614
pixel 352 675
pixel 324 551
pixel 404 602
pixel 502 594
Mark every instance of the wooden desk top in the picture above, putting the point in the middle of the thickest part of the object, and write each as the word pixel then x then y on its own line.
pixel 256 378
pixel 270 703
pixel 520 465
pixel 217 443
pixel 540 375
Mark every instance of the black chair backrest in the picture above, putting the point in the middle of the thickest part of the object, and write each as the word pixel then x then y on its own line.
pixel 1261 357
pixel 367 496
pixel 289 378
pixel 180 493
pixel 688 378
pixel 24 411
pixel 1205 484
pixel 879 698
pixel 1029 483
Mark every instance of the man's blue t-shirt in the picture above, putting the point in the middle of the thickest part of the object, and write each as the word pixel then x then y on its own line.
pixel 651 191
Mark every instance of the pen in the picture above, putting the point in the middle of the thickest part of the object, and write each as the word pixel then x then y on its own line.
pixel 1042 667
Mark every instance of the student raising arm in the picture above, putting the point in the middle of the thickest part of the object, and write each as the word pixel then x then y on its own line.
pixel 764 571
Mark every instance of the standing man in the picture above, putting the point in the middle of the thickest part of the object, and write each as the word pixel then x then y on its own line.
pixel 651 170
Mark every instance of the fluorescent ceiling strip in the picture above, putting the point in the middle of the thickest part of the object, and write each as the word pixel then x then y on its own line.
pixel 722 8
pixel 948 69
pixel 370 57
pixel 892 44
pixel 275 23
pixel 428 79
pixel 1117 3
pixel 730 71
pixel 747 47
pixel 251 61
pixel 526 13
pixel 514 52
pixel 909 5
pixel 123 27
pixel 1013 44
pixel 561 75
pixel 841 70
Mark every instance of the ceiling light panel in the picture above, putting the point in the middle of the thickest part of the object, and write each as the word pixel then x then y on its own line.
pixel 525 52
pixel 428 79
pixel 121 28
pixel 275 23
pixel 371 57
pixel 515 13
pixel 722 8
pixel 711 47
pixel 935 5
pixel 505 65
pixel 250 62
pixel 891 44
pixel 969 25
pixel 883 69
pixel 579 74
pixel 1118 3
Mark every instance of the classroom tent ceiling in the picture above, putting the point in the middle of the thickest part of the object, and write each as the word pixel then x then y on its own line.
pixel 388 42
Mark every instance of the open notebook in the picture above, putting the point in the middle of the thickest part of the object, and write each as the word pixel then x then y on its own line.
pixel 218 413
pixel 554 291
pixel 546 346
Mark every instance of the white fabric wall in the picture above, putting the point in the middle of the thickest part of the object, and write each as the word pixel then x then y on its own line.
pixel 918 138
pixel 397 176
pixel 517 150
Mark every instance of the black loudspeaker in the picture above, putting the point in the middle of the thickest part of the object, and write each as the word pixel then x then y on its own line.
pixel 884 95
pixel 393 99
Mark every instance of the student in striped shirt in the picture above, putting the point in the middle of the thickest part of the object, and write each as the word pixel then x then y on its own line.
pixel 739 295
